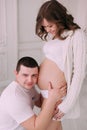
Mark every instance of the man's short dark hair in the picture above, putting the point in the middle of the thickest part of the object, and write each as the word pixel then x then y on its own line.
pixel 28 62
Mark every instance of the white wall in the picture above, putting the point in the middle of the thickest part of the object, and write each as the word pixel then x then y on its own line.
pixel 28 42
pixel 8 40
pixel 78 9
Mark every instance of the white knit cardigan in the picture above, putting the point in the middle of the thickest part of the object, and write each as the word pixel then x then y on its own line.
pixel 75 66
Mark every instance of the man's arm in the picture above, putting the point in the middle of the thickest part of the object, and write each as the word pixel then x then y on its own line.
pixel 41 121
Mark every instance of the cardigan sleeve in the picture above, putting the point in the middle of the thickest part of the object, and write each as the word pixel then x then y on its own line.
pixel 78 73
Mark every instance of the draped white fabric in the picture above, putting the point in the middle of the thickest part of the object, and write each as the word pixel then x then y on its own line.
pixel 2 23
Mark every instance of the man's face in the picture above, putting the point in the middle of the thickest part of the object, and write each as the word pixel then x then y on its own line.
pixel 27 77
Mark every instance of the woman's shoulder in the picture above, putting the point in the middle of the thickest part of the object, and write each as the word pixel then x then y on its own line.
pixel 79 37
pixel 71 33
pixel 80 33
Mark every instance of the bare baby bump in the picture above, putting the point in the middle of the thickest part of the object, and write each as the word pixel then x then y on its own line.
pixel 50 72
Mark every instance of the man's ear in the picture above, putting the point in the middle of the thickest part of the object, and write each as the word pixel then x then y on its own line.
pixel 15 72
pixel 37 80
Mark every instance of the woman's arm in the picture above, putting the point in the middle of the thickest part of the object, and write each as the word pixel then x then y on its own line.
pixel 79 55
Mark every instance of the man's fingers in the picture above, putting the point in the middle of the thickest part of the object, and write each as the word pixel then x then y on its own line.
pixel 58 102
pixel 63 85
pixel 64 89
pixel 50 86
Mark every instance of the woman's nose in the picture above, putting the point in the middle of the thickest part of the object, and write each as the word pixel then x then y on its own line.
pixel 48 29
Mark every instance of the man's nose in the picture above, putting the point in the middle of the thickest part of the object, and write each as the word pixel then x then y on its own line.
pixel 30 78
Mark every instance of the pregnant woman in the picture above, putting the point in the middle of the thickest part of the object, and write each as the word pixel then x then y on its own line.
pixel 65 58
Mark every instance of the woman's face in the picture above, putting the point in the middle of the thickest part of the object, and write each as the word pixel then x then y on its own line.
pixel 50 27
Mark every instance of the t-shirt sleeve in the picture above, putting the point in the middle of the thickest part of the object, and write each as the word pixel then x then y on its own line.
pixel 20 110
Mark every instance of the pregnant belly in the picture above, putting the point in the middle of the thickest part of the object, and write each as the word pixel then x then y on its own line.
pixel 50 72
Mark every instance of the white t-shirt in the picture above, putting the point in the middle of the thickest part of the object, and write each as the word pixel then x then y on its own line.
pixel 16 106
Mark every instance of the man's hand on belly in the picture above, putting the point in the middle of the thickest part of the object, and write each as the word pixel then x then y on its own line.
pixel 59 115
pixel 63 89
pixel 56 108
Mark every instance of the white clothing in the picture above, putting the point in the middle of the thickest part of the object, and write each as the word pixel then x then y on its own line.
pixel 54 51
pixel 44 93
pixel 74 63
pixel 16 106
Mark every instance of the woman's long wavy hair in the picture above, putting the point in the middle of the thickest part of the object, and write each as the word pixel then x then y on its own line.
pixel 56 13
